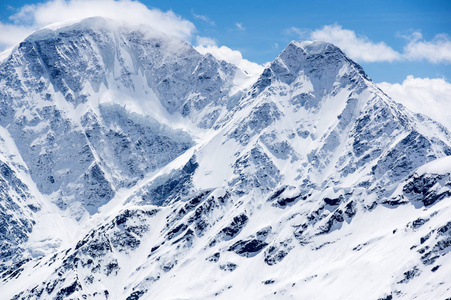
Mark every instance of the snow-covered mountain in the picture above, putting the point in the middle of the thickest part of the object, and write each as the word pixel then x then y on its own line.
pixel 134 167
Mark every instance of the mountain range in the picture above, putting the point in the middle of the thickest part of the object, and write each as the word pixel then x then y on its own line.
pixel 134 167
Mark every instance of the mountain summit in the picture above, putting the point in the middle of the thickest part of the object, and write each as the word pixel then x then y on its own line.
pixel 134 167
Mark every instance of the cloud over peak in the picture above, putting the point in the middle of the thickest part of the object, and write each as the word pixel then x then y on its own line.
pixel 361 48
pixel 357 47
pixel 423 95
pixel 208 45
pixel 35 16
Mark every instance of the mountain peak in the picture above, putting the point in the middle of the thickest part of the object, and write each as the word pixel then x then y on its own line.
pixel 319 55
pixel 311 55
pixel 95 25
pixel 323 63
pixel 314 47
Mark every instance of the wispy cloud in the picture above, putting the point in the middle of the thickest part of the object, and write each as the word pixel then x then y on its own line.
pixel 205 41
pixel 232 56
pixel 357 47
pixel 209 45
pixel 240 26
pixel 202 18
pixel 361 48
pixel 423 95
pixel 438 50
pixel 301 33
pixel 12 34
pixel 35 16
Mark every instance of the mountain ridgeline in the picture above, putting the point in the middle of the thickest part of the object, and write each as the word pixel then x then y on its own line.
pixel 134 167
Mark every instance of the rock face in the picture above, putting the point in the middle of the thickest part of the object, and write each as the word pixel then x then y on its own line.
pixel 129 162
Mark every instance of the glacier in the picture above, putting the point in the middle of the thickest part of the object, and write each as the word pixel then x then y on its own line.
pixel 134 167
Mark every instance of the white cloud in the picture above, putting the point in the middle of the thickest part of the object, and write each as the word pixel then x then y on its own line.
pixel 208 45
pixel 35 16
pixel 357 47
pixel 240 26
pixel 301 33
pixel 205 41
pixel 12 34
pixel 231 56
pixel 431 97
pixel 436 51
pixel 203 18
pixel 361 48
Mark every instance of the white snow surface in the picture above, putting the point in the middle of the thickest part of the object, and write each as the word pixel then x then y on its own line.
pixel 134 167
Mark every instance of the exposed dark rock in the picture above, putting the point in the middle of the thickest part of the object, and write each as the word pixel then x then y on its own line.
pixel 417 223
pixel 214 258
pixel 248 248
pixel 65 292
pixel 333 201
pixel 274 256
pixel 435 268
pixel 408 275
pixel 423 188
pixel 167 188
pixel 234 228
pixel 230 267
pixel 135 295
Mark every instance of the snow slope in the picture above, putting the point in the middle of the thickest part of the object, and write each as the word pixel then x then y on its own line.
pixel 138 168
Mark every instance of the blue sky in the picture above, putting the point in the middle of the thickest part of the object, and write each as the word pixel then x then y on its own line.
pixel 390 39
